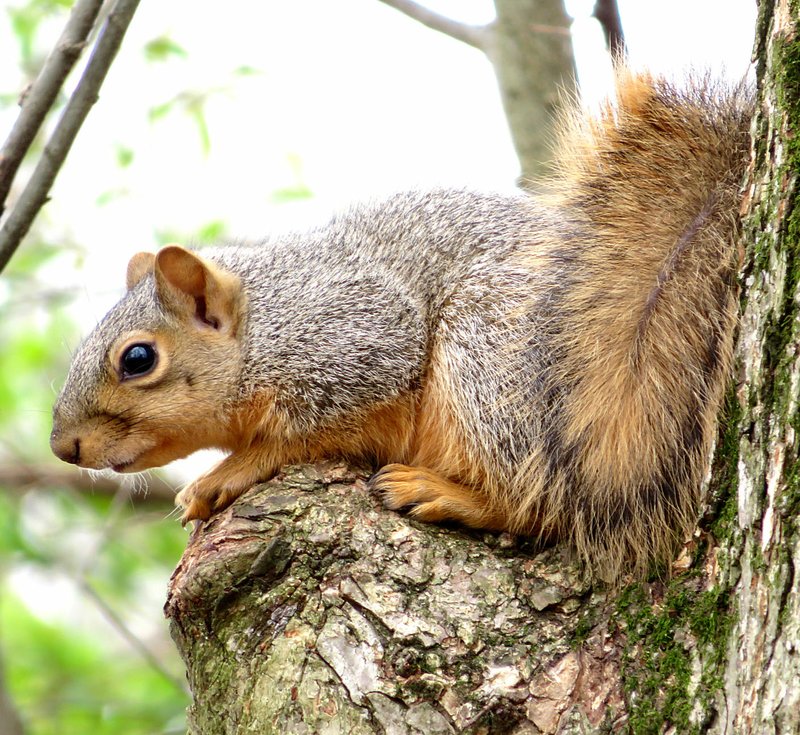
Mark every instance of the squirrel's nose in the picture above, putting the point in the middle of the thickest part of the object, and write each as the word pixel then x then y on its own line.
pixel 66 447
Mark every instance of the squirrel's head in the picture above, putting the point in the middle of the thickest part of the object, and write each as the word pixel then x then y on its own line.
pixel 150 384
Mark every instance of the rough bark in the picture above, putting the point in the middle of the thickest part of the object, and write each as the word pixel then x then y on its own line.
pixel 306 607
pixel 757 563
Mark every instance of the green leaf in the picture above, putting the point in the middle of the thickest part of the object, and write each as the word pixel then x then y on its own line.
pixel 162 48
pixel 212 231
pixel 159 111
pixel 246 71
pixel 291 194
pixel 111 195
pixel 124 156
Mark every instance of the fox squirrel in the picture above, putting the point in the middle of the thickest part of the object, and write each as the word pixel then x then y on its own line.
pixel 550 365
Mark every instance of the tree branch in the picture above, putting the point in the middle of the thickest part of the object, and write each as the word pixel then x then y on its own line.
pixel 21 476
pixel 474 36
pixel 307 604
pixel 36 191
pixel 39 98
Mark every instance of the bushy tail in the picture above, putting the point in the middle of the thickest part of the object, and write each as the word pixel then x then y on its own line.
pixel 645 349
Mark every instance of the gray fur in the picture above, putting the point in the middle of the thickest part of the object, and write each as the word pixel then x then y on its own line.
pixel 344 316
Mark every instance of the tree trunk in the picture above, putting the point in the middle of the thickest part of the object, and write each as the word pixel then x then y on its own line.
pixel 530 46
pixel 307 608
pixel 756 566
pixel 531 49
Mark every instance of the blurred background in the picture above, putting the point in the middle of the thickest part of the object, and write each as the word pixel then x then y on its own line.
pixel 221 120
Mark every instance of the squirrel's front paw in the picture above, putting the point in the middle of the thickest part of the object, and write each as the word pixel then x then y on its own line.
pixel 196 505
pixel 220 486
pixel 204 497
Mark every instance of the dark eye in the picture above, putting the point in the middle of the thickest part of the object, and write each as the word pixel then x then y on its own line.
pixel 137 360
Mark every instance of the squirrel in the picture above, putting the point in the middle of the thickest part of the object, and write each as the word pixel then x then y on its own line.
pixel 545 364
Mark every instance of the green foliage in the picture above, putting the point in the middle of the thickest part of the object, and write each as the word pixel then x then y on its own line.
pixel 83 576
pixel 33 345
pixel 25 22
pixel 67 677
pixel 65 683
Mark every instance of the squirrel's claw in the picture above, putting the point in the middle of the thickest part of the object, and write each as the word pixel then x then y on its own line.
pixel 196 507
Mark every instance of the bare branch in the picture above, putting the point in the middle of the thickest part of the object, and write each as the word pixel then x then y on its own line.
pixel 472 35
pixel 39 98
pixel 36 191
pixel 19 476
pixel 607 13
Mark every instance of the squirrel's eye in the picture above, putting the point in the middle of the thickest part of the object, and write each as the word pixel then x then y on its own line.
pixel 138 359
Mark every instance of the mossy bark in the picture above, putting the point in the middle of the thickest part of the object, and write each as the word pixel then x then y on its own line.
pixel 718 648
pixel 757 562
pixel 308 608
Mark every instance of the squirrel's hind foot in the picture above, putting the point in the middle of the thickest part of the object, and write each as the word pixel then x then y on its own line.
pixel 433 498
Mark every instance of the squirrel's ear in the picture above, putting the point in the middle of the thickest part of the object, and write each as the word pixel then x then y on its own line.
pixel 196 288
pixel 138 267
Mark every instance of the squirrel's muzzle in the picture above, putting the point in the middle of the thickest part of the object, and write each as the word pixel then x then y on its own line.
pixel 66 447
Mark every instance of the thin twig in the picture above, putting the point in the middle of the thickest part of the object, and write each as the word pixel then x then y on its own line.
pixel 472 35
pixel 36 192
pixel 607 13
pixel 41 95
